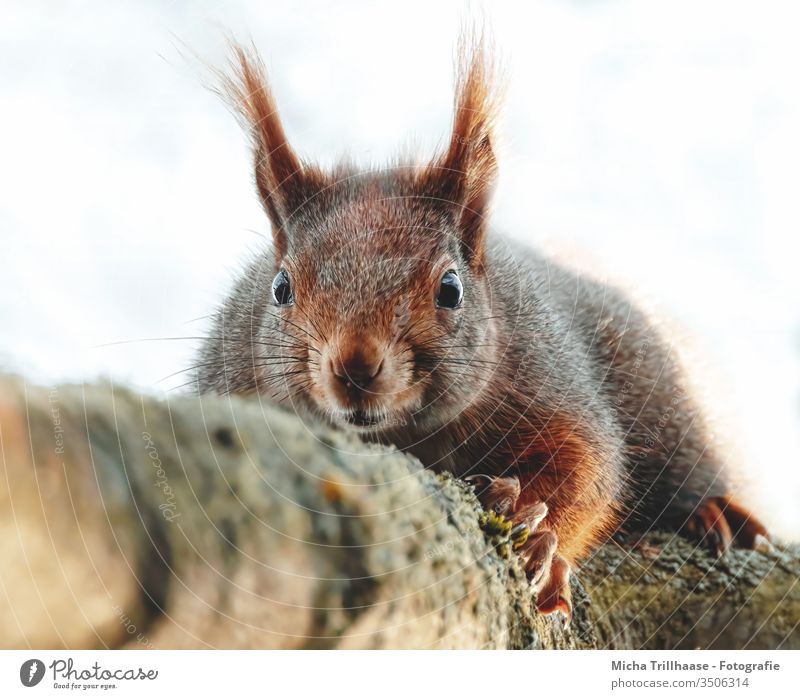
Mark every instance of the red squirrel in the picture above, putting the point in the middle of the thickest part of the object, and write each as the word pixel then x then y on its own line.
pixel 385 305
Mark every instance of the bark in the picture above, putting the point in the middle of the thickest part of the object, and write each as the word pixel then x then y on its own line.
pixel 133 521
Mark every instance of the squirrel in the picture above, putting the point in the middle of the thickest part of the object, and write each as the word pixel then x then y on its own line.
pixel 385 305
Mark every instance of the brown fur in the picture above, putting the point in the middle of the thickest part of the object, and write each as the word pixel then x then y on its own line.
pixel 554 390
pixel 467 171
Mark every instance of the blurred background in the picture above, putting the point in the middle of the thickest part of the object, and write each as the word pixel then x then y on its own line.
pixel 656 143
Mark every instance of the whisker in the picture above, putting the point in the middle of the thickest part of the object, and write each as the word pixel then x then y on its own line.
pixel 148 339
pixel 183 371
pixel 313 324
pixel 294 325
pixel 277 362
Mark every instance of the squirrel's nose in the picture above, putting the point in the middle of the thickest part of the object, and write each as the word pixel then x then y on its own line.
pixel 356 369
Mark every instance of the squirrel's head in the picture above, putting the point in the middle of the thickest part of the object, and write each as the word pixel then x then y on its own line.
pixel 378 308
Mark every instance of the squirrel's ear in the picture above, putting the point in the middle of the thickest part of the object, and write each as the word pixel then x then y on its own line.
pixel 281 178
pixel 466 172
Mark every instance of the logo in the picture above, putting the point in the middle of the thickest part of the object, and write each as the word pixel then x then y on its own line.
pixel 31 672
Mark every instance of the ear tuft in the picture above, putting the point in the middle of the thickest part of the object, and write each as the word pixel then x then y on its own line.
pixel 467 171
pixel 280 176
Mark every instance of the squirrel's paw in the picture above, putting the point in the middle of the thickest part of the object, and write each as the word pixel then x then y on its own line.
pixel 719 522
pixel 547 571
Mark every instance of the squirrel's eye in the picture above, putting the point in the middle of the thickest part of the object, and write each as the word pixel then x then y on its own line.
pixel 282 289
pixel 451 292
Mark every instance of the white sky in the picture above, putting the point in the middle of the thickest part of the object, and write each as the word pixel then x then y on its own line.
pixel 660 143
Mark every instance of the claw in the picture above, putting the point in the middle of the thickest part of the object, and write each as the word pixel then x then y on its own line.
pixel 715 542
pixel 499 494
pixel 529 518
pixel 762 544
pixel 555 594
pixel 747 530
pixel 519 535
pixel 531 515
pixel 538 555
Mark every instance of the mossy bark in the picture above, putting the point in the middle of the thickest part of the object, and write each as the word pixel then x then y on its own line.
pixel 131 521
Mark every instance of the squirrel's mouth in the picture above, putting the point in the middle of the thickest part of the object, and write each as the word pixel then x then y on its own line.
pixel 366 420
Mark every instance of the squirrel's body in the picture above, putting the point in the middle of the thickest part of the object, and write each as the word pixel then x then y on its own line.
pixel 588 407
pixel 384 304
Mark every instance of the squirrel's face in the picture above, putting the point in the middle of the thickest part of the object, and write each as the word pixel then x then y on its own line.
pixel 376 306
pixel 383 323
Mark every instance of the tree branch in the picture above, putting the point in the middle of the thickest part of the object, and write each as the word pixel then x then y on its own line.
pixel 129 521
